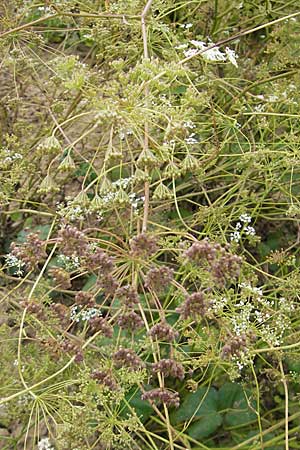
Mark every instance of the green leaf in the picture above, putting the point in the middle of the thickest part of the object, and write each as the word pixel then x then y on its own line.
pixel 293 364
pixel 91 281
pixel 196 404
pixel 239 404
pixel 141 407
pixel 205 426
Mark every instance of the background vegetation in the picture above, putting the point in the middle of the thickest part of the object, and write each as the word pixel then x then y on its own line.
pixel 149 224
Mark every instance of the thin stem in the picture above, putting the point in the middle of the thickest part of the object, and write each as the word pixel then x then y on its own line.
pixel 146 126
pixel 286 405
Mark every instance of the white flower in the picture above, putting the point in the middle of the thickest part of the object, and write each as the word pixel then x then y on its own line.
pixel 199 44
pixel 235 236
pixel 250 231
pixel 232 56
pixel 181 46
pixel 190 52
pixel 214 54
pixel 45 444
pixel 245 218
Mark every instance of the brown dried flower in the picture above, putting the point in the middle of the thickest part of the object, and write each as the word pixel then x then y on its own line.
pixel 169 368
pixel 234 346
pixel 129 296
pixel 98 259
pixel 130 321
pixel 31 252
pixel 105 378
pixel 195 305
pixel 143 245
pixel 72 241
pixel 125 357
pixel 61 277
pixel 101 324
pixel 159 278
pixel 162 331
pixel 83 298
pixel 162 395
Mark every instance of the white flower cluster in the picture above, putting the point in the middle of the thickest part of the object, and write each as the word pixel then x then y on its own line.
pixel 83 315
pixel 219 304
pixel 241 321
pixel 45 444
pixel 190 140
pixel 123 182
pixel 249 290
pixel 186 26
pixel 15 263
pixel 71 211
pixel 285 306
pixel 124 133
pixel 189 124
pixel 242 227
pixel 10 156
pixel 213 54
pixel 69 262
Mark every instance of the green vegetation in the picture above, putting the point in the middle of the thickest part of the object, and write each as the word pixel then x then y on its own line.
pixel 150 267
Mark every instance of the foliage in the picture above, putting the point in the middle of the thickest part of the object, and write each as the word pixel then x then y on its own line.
pixel 150 224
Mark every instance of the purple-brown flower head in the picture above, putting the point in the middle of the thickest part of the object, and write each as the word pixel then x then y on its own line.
pixel 72 241
pixel 128 295
pixel 31 252
pixel 195 305
pixel 125 357
pixel 162 331
pixel 169 368
pixel 98 259
pixel 143 245
pixel 61 277
pixel 100 324
pixel 105 378
pixel 130 321
pixel 159 278
pixel 162 395
pixel 234 346
pixel 83 298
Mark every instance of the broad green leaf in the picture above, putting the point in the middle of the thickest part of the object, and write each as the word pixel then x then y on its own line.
pixel 205 426
pixel 196 404
pixel 141 407
pixel 240 411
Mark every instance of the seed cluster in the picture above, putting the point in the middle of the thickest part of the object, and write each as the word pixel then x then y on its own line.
pixel 126 357
pixel 159 278
pixel 162 331
pixel 195 305
pixel 143 245
pixel 223 266
pixel 162 395
pixel 169 368
pixel 31 252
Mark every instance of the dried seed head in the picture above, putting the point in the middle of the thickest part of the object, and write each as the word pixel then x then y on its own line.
pixel 125 357
pixel 106 379
pixel 130 321
pixel 128 295
pixel 143 245
pixel 83 298
pixel 169 368
pixel 163 395
pixel 195 305
pixel 101 324
pixel 98 259
pixel 31 252
pixel 61 277
pixel 72 241
pixel 163 332
pixel 159 278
